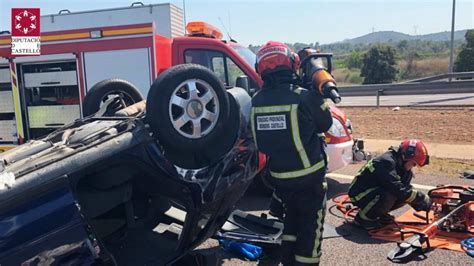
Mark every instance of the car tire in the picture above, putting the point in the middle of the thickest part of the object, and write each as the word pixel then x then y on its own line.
pixel 214 152
pixel 105 88
pixel 188 111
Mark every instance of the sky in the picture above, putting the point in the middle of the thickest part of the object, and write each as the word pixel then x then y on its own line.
pixel 306 21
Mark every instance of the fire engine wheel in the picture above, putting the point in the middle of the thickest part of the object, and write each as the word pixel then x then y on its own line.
pixel 188 111
pixel 102 92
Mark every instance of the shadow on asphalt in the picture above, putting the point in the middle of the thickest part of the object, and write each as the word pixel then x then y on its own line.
pixel 414 258
pixel 205 257
pixel 356 234
pixel 258 200
pixel 335 188
pixel 216 256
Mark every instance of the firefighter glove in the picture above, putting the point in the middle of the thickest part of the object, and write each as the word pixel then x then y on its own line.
pixel 422 202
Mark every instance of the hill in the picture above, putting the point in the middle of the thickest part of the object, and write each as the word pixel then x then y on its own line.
pixel 393 36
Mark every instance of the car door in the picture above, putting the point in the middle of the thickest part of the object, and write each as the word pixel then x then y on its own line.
pixel 40 224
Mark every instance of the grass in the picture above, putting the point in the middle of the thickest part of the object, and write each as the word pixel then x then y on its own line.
pixel 449 168
pixel 446 167
pixel 346 76
pixel 424 67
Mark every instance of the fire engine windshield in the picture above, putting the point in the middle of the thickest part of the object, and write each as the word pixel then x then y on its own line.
pixel 246 54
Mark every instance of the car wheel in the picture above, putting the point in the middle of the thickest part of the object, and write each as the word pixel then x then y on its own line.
pixel 123 92
pixel 189 113
pixel 188 159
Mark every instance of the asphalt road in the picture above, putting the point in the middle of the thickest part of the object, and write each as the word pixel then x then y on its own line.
pixel 357 248
pixel 411 100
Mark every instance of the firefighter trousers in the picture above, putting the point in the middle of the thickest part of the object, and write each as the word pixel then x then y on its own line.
pixel 377 203
pixel 305 208
pixel 276 208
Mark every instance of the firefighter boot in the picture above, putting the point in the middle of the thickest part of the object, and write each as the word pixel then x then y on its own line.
pixel 367 224
pixel 386 218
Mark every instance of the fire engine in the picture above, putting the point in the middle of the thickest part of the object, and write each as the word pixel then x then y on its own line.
pixel 39 94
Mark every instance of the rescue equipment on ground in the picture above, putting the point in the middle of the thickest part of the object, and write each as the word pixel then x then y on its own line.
pixel 449 222
pixel 468 245
pixel 415 244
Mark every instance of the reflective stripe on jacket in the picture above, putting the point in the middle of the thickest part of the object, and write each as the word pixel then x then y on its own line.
pixel 285 122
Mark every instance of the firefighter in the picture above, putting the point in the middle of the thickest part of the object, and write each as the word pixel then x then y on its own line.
pixel 286 121
pixel 383 184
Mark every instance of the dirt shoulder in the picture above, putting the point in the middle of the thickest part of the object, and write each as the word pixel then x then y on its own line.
pixel 443 125
pixel 447 125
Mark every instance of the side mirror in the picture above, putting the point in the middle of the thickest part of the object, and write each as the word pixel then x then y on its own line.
pixel 243 82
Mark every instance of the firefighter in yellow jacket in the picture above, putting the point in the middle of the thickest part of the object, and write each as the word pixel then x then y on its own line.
pixel 286 121
pixel 384 184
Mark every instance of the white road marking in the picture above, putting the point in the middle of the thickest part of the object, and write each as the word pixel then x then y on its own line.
pixel 350 177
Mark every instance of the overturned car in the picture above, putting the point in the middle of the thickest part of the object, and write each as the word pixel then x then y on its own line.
pixel 117 189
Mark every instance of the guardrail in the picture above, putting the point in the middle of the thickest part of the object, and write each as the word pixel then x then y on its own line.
pixel 456 75
pixel 439 87
pixel 415 87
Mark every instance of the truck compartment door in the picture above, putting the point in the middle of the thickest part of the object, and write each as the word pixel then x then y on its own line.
pixel 132 65
pixel 8 131
pixel 50 95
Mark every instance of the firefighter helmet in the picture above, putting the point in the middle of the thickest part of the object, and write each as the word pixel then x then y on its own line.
pixel 414 150
pixel 275 56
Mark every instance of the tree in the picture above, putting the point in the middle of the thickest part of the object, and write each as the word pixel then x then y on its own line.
pixel 354 60
pixel 379 65
pixel 402 46
pixel 465 58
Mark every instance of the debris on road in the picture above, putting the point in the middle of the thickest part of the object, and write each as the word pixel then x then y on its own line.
pixel 469 174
